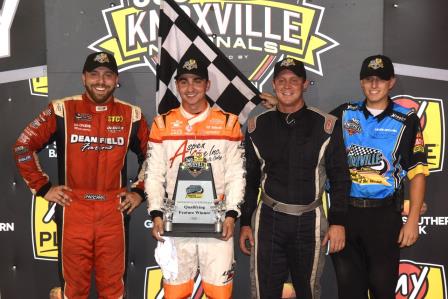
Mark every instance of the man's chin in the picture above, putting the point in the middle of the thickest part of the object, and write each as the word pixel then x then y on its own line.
pixel 99 99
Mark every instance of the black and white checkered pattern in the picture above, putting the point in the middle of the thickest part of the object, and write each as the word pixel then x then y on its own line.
pixel 180 37
pixel 357 150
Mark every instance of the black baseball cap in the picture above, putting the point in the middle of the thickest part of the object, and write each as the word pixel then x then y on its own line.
pixel 377 65
pixel 98 59
pixel 294 65
pixel 192 66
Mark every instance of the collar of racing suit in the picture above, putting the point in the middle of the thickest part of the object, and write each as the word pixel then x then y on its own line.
pixel 379 117
pixel 96 107
pixel 193 119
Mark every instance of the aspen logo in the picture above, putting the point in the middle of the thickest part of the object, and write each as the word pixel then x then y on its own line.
pixel 420 281
pixel 287 30
pixel 154 288
pixel 432 121
pixel 43 229
pixel 39 86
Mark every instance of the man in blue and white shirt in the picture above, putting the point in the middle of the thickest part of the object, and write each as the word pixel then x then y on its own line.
pixel 384 145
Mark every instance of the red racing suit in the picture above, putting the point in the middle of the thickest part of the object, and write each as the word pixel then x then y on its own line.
pixel 216 136
pixel 92 142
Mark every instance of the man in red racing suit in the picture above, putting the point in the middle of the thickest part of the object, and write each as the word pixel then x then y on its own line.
pixel 93 133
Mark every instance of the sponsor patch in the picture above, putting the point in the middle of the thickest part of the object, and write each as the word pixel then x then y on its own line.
pixel 115 118
pixel 352 126
pixel 82 126
pixel 400 118
pixel 177 123
pixel 23 138
pixel 100 108
pixel 419 146
pixel 24 159
pixel 114 129
pixel 35 124
pixel 367 165
pixel 432 122
pixel 83 116
pixel 21 150
pixel 94 196
pixel 229 274
pixel 376 64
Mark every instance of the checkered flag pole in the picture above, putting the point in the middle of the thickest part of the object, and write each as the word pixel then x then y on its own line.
pixel 180 37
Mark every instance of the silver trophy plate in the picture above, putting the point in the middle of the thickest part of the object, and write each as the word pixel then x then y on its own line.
pixel 194 210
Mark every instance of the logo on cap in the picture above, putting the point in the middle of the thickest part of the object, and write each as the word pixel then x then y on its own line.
pixel 190 64
pixel 101 58
pixel 376 64
pixel 288 62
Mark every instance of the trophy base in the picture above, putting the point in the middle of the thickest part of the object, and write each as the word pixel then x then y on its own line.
pixel 193 230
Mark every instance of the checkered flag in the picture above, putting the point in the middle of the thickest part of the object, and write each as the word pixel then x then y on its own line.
pixel 180 37
pixel 357 150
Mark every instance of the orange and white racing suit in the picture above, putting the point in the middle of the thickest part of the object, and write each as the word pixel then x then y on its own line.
pixel 216 136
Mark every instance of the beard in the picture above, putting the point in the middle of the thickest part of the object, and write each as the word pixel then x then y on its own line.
pixel 98 98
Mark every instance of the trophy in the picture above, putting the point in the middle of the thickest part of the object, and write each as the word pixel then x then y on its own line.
pixel 194 210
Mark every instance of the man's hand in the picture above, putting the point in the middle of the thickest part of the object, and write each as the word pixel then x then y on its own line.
pixel 130 202
pixel 246 234
pixel 227 228
pixel 408 234
pixel 336 237
pixel 269 100
pixel 157 229
pixel 59 195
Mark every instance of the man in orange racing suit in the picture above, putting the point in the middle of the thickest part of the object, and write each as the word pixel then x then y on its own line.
pixel 195 129
pixel 93 133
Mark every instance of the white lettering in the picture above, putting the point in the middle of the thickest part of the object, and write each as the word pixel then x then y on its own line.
pixel 422 230
pixel 153 25
pixel 289 26
pixel 223 22
pixel 202 22
pixel 249 21
pixel 239 43
pixel 267 25
pixel 7 14
pixel 52 153
pixel 148 223
pixel 402 285
pixel 418 282
pixel 270 47
pixel 136 29
pixel 238 19
pixel 7 227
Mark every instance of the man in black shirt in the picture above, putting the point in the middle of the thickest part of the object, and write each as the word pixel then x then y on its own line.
pixel 290 151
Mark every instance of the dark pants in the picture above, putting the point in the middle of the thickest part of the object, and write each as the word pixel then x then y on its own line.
pixel 370 259
pixel 287 245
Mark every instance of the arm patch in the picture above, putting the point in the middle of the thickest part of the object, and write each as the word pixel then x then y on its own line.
pixel 330 120
pixel 251 124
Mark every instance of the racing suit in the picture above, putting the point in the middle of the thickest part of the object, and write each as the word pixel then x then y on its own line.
pixel 290 156
pixel 92 143
pixel 381 151
pixel 216 136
